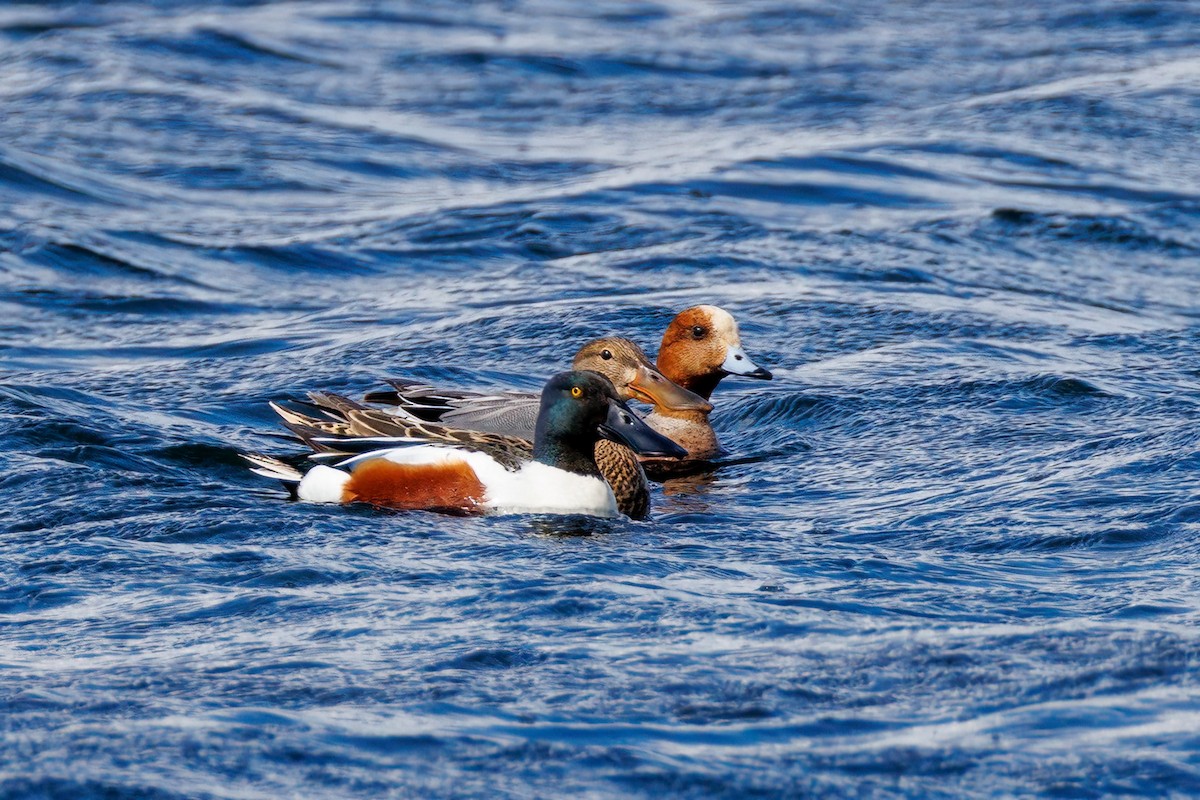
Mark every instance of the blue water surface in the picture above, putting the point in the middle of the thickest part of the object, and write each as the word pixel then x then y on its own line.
pixel 956 548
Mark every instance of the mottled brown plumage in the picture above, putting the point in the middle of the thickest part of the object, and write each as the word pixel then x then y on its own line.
pixel 358 422
pixel 620 467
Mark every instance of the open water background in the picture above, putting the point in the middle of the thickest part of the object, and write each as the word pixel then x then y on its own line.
pixel 959 550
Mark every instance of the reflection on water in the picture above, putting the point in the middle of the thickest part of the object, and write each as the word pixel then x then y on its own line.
pixel 573 525
pixel 690 494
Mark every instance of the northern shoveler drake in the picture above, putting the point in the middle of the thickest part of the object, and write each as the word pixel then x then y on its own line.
pixel 701 346
pixel 344 426
pixel 483 473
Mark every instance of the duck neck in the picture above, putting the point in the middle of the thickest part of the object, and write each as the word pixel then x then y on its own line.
pixel 702 385
pixel 557 452
pixel 687 416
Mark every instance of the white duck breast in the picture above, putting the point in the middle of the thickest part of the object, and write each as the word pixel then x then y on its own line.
pixel 541 489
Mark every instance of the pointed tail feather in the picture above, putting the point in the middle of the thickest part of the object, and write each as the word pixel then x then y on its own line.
pixel 322 484
pixel 271 467
pixel 291 417
pixel 328 401
pixel 307 428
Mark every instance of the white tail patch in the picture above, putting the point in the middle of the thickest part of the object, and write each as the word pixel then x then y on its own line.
pixel 322 484
pixel 542 489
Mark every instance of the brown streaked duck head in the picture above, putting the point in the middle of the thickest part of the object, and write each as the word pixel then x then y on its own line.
pixel 635 378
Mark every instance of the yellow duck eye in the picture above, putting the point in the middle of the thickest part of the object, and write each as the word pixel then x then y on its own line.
pixel 576 392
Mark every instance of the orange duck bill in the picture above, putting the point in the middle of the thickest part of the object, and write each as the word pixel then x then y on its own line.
pixel 650 386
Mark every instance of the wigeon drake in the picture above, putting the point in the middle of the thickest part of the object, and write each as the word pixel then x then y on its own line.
pixel 479 475
pixel 701 346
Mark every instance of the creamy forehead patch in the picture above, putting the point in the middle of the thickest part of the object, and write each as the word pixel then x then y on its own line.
pixel 723 323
